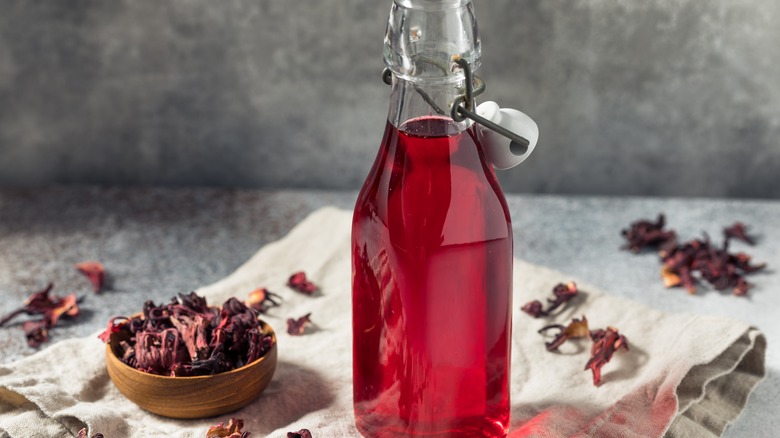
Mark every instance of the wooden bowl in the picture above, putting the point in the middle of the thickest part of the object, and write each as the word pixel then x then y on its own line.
pixel 193 397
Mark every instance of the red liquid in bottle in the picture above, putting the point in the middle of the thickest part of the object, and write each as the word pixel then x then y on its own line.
pixel 432 275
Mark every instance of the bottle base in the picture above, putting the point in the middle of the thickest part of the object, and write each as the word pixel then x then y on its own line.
pixel 385 427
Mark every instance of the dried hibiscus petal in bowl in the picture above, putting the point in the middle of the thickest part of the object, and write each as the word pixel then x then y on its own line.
pixel 303 433
pixel 187 337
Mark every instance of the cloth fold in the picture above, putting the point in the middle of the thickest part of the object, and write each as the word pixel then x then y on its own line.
pixel 685 375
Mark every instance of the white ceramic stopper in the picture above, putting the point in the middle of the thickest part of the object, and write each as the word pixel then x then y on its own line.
pixel 502 152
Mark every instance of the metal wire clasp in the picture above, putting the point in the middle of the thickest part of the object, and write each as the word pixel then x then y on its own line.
pixel 463 107
pixel 477 88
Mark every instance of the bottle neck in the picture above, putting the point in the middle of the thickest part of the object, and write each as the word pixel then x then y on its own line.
pixel 413 101
pixel 423 39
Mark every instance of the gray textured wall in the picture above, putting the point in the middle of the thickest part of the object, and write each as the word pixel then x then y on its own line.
pixel 668 97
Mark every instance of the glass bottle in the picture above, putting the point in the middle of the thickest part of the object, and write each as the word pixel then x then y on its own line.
pixel 431 247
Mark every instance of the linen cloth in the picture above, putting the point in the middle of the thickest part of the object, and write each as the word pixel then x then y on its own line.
pixel 685 375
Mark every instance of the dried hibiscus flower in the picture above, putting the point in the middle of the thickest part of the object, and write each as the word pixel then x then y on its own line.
pixel 562 293
pixel 262 299
pixel 685 264
pixel 296 327
pixel 112 328
pixel 644 233
pixel 95 272
pixel 36 332
pixel 300 283
pixel 576 329
pixel 534 308
pixel 605 343
pixel 737 231
pixel 67 305
pixel 83 434
pixel 699 259
pixel 50 306
pixel 303 433
pixel 187 337
pixel 231 430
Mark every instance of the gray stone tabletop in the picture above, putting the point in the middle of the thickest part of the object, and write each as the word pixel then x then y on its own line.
pixel 159 242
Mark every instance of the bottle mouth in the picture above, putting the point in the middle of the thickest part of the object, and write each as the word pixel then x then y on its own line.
pixel 431 4
pixel 424 37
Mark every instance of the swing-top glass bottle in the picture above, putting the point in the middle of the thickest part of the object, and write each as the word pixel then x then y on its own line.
pixel 431 247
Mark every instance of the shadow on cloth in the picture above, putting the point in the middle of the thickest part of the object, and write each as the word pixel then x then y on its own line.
pixel 625 366
pixel 551 418
pixel 295 391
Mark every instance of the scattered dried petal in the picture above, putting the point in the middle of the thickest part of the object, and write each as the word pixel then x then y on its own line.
pixel 534 308
pixel 95 272
pixel 685 264
pixel 645 233
pixel 51 307
pixel 262 299
pixel 605 343
pixel 231 430
pixel 741 288
pixel 670 278
pixel 300 283
pixel 737 231
pixel 742 261
pixel 62 306
pixel 576 329
pixel 36 304
pixel 83 434
pixel 562 294
pixel 37 332
pixel 296 327
pixel 303 433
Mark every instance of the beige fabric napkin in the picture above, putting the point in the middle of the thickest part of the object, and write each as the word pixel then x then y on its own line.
pixel 685 375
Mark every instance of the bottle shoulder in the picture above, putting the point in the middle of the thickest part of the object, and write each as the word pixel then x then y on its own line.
pixel 434 187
